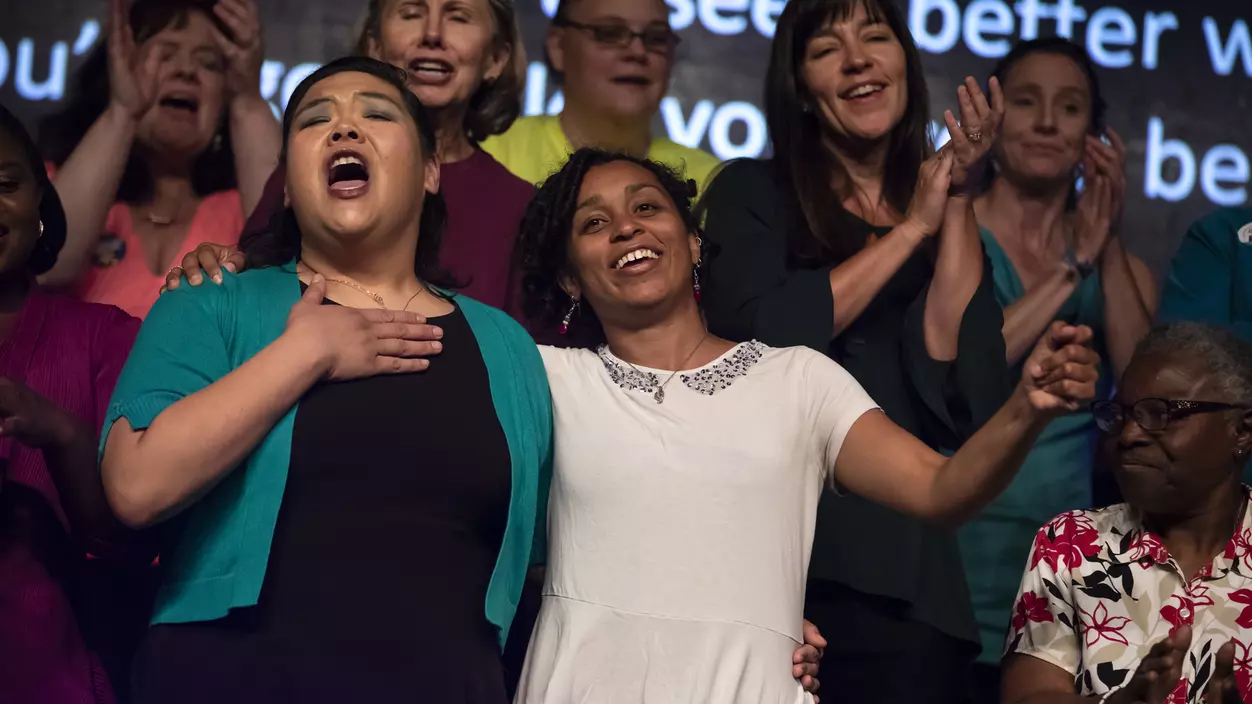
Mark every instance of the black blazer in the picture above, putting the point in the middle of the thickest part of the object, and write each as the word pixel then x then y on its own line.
pixel 757 289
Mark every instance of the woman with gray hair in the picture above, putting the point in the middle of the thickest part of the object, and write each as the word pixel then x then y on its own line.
pixel 1151 600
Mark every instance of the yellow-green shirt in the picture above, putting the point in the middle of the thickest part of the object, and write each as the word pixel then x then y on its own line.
pixel 536 147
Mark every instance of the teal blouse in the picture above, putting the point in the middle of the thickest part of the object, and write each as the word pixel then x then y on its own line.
pixel 1056 476
pixel 194 336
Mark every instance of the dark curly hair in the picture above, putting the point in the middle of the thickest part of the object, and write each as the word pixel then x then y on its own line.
pixel 543 243
pixel 279 242
pixel 51 214
pixel 60 133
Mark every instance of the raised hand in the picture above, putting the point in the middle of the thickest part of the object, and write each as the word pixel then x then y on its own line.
pixel 1224 687
pixel 207 259
pixel 1062 371
pixel 244 49
pixel 1158 673
pixel 132 76
pixel 973 136
pixel 930 197
pixel 352 344
pixel 1108 160
pixel 1093 222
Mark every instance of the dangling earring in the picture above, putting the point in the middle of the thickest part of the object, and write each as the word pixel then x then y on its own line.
pixel 217 142
pixel 695 270
pixel 40 229
pixel 569 315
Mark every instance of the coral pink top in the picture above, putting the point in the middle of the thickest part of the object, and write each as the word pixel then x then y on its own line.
pixel 118 272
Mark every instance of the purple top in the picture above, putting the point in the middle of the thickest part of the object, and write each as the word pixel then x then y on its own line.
pixel 485 207
pixel 71 353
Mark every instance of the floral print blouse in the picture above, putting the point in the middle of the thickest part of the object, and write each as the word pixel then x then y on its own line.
pixel 1100 590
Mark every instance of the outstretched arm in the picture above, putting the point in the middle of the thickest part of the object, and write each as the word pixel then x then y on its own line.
pixel 883 463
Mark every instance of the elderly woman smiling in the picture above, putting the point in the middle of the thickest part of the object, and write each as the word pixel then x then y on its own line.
pixel 1151 600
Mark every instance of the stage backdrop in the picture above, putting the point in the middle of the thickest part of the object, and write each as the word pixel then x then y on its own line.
pixel 1176 74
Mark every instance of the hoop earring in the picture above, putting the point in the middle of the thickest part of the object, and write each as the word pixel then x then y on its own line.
pixel 569 315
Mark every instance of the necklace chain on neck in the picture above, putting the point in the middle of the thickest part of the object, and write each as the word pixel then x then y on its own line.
pixel 352 284
pixel 659 395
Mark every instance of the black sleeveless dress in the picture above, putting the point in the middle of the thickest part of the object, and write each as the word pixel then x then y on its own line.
pixel 391 523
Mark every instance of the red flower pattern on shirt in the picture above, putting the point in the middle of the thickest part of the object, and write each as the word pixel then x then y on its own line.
pixel 1147 546
pixel 1111 589
pixel 1240 548
pixel 1200 594
pixel 1098 624
pixel 1243 669
pixel 1075 538
pixel 1243 596
pixel 1178 611
pixel 1031 607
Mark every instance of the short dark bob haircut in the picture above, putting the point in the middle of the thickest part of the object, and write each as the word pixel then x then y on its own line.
pixel 543 243
pixel 279 242
pixel 51 214
pixel 60 133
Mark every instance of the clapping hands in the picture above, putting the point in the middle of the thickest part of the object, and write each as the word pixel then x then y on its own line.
pixel 977 130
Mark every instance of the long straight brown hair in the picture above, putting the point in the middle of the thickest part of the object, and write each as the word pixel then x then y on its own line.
pixel 805 165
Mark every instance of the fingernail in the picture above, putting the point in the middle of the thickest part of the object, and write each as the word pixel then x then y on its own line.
pixel 217 278
pixel 231 268
pixel 438 333
pixel 437 346
pixel 194 278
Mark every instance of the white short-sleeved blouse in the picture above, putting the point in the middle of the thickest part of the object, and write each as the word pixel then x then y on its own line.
pixel 680 531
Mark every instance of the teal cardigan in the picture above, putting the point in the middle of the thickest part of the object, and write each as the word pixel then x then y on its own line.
pixel 194 336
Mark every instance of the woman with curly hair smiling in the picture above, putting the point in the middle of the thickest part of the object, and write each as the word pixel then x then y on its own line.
pixel 687 468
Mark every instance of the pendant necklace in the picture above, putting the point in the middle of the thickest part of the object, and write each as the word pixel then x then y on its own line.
pixel 659 395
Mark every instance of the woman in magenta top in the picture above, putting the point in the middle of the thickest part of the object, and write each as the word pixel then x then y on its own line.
pixel 165 143
pixel 59 360
pixel 466 64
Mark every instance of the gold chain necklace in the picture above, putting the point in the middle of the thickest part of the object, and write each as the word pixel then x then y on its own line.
pixel 659 396
pixel 377 298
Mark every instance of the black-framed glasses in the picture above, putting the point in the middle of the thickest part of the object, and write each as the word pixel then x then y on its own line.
pixel 1152 414
pixel 661 40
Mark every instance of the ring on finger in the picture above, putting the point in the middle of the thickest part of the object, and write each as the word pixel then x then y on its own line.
pixel 974 136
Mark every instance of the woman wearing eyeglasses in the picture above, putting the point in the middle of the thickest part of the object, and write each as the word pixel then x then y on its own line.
pixel 1151 600
pixel 614 59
